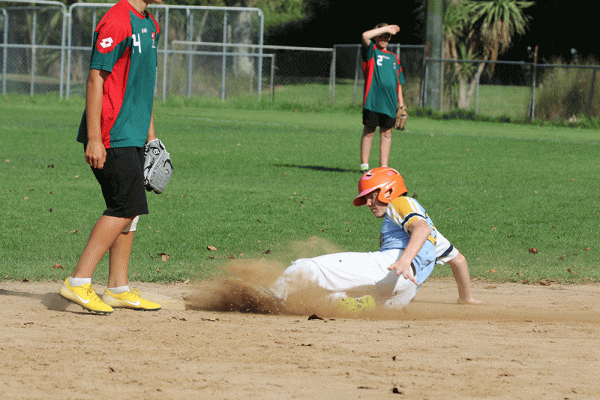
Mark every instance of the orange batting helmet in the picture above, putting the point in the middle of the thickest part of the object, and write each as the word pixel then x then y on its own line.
pixel 384 178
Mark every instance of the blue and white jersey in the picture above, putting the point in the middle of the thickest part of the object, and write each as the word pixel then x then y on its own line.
pixel 401 213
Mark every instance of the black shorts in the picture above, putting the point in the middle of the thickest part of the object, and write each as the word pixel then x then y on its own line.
pixel 122 182
pixel 374 119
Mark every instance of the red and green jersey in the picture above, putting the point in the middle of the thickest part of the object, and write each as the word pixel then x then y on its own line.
pixel 383 77
pixel 125 44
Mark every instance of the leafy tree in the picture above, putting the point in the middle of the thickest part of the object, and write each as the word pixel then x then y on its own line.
pixel 479 30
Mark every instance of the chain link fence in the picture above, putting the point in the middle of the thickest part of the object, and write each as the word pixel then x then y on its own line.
pixel 519 90
pixel 45 47
pixel 218 52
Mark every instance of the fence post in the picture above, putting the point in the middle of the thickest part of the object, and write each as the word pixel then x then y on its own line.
pixel 272 75
pixel 62 53
pixel 592 86
pixel 533 81
pixel 224 61
pixel 332 76
pixel 166 56
pixel 33 52
pixel 189 33
pixel 4 51
pixel 423 99
pixel 356 74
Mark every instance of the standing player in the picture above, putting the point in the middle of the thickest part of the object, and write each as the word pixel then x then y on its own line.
pixel 410 247
pixel 117 122
pixel 383 91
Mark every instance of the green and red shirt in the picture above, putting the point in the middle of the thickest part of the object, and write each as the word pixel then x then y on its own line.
pixel 125 44
pixel 383 77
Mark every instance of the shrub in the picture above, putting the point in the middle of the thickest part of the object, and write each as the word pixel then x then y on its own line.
pixel 568 92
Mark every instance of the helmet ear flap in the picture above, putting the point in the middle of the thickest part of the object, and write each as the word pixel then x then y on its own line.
pixel 384 195
pixel 387 180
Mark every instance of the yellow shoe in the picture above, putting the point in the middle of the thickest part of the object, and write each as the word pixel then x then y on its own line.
pixel 350 305
pixel 131 299
pixel 85 296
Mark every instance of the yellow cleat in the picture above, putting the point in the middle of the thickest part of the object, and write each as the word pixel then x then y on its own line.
pixel 350 305
pixel 131 299
pixel 85 296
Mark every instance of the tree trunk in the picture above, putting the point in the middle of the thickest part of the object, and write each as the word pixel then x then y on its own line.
pixel 466 88
pixel 242 34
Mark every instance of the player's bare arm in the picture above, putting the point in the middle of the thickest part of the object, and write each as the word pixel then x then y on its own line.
pixel 460 270
pixel 370 34
pixel 95 153
pixel 419 232
pixel 151 131
pixel 400 97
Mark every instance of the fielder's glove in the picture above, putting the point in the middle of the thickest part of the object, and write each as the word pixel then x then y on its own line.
pixel 157 166
pixel 401 117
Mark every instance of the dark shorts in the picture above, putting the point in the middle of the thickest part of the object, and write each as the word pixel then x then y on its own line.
pixel 122 182
pixel 374 119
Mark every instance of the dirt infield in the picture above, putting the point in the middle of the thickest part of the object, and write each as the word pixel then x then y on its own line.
pixel 528 342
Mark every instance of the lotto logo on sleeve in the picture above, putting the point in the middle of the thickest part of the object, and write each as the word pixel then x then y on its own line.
pixel 105 43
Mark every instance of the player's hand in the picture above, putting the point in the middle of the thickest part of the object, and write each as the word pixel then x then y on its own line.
pixel 95 154
pixel 403 269
pixel 393 29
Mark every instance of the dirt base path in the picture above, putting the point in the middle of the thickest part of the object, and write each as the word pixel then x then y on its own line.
pixel 528 342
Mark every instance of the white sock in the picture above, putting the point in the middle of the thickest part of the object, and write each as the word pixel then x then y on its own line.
pixel 79 281
pixel 119 289
pixel 364 166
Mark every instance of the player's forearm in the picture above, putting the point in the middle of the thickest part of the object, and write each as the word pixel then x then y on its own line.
pixel 151 131
pixel 400 96
pixel 418 237
pixel 460 270
pixel 463 282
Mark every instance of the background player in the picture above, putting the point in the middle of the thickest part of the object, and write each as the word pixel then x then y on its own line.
pixel 117 122
pixel 383 91
pixel 410 245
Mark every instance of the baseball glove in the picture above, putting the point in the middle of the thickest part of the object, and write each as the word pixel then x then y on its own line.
pixel 401 117
pixel 157 166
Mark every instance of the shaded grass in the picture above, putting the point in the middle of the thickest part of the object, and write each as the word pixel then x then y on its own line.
pixel 252 182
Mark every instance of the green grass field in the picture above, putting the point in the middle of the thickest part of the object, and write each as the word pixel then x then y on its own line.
pixel 261 183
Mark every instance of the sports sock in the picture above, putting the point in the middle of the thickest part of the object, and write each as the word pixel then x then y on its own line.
pixel 79 281
pixel 119 289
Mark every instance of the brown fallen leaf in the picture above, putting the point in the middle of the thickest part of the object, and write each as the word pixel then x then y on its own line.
pixel 58 266
pixel 533 250
pixel 211 248
pixel 164 256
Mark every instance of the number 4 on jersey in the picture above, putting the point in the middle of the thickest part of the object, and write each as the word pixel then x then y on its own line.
pixel 137 42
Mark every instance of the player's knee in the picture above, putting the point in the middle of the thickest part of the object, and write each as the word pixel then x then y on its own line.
pixel 368 132
pixel 458 260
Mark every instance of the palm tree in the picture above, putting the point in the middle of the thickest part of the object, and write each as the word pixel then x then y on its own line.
pixel 479 30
